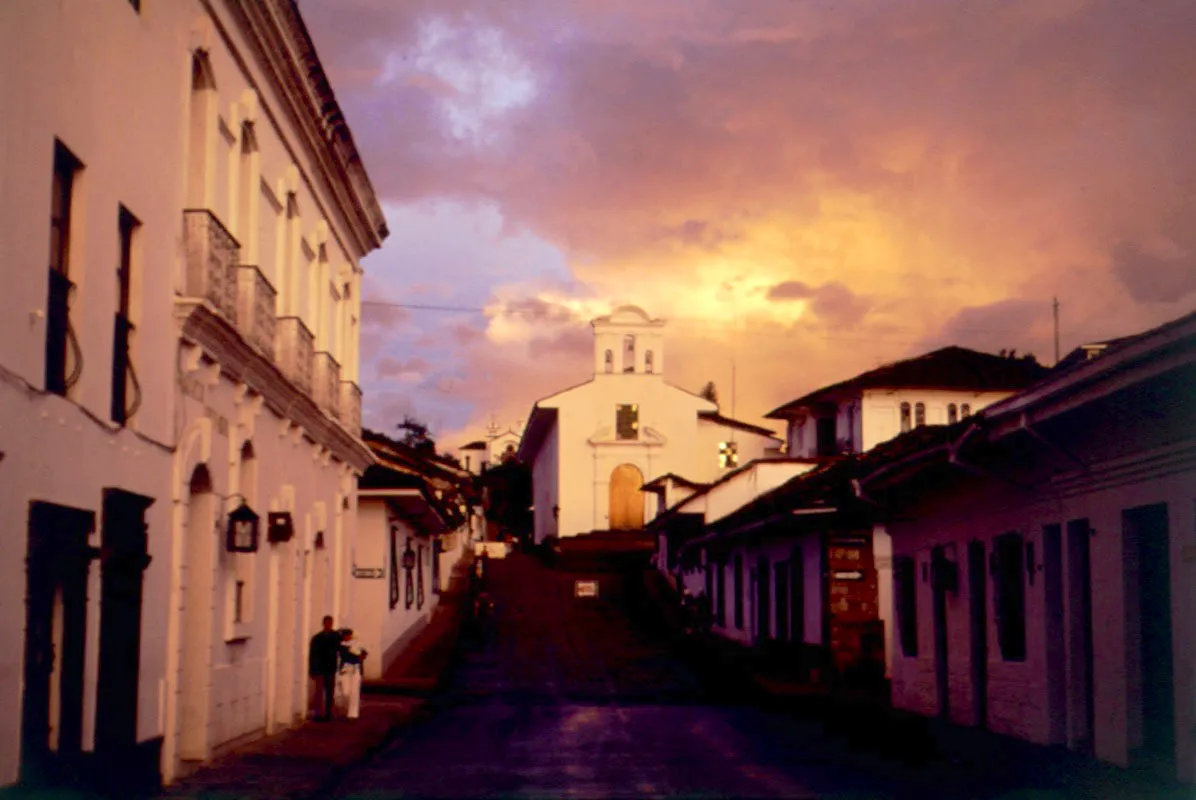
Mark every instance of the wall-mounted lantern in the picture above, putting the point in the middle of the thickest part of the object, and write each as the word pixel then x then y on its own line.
pixel 243 529
pixel 280 527
pixel 556 513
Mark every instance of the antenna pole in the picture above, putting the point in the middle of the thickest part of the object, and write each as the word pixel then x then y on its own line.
pixel 1055 308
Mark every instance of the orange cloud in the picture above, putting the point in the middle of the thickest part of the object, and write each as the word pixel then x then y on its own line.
pixel 924 170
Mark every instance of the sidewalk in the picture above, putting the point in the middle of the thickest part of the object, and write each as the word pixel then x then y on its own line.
pixel 897 742
pixel 301 762
pixel 422 665
pixel 307 761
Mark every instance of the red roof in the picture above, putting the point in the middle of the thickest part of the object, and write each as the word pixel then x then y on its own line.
pixel 947 368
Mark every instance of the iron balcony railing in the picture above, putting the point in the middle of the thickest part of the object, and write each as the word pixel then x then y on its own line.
pixel 64 357
pixel 327 380
pixel 256 316
pixel 212 255
pixel 351 407
pixel 126 388
pixel 295 352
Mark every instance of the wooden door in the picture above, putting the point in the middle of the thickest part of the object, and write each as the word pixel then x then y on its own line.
pixel 55 638
pixel 626 499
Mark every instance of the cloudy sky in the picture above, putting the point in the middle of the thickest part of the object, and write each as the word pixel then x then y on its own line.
pixel 804 188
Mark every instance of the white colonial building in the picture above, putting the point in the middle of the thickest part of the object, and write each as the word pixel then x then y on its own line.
pixel 855 415
pixel 592 447
pixel 414 523
pixel 185 354
pixel 1045 557
pixel 498 446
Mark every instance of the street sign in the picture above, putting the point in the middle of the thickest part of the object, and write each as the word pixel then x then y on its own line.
pixel 585 588
pixel 369 572
pixel 852 575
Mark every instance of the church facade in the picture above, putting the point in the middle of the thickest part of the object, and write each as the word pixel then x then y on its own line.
pixel 591 448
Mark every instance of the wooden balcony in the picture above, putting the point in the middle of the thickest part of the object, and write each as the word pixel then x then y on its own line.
pixel 351 407
pixel 327 381
pixel 212 256
pixel 295 350
pixel 255 309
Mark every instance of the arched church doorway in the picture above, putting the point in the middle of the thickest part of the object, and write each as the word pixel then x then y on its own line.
pixel 626 499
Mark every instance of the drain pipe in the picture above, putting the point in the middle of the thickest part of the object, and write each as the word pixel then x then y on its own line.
pixel 956 460
pixel 1036 435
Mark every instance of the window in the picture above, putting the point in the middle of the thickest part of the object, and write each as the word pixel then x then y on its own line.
pixel 1009 587
pixel 467 464
pixel 627 422
pixel 419 573
pixel 247 230
pixel 202 122
pixel 240 581
pixel 952 413
pixel 728 455
pixel 409 595
pixel 919 415
pixel 905 418
pixel 629 354
pixel 738 588
pixel 394 567
pixel 720 591
pixel 825 431
pixel 648 366
pixel 124 377
pixel 905 578
pixel 965 410
pixel 59 335
pixel 609 363
pixel 850 438
pixel 239 602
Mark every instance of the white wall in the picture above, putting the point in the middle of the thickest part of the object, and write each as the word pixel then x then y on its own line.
pixel 1017 694
pixel 750 447
pixel 546 478
pixel 808 548
pixel 882 409
pixel 53 58
pixel 754 480
pixel 384 631
pixel 876 416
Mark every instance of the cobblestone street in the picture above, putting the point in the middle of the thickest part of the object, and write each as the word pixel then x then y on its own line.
pixel 567 697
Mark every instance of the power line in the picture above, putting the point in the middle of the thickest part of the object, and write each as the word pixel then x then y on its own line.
pixel 697 322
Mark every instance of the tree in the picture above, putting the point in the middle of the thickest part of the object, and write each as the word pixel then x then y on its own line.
pixel 416 436
pixel 710 392
pixel 508 488
pixel 450 459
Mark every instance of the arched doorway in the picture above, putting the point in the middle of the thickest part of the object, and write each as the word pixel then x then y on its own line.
pixel 626 499
pixel 196 631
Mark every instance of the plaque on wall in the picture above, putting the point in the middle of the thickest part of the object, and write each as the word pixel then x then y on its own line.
pixel 585 588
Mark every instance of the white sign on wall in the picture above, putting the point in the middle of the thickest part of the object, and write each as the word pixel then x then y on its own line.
pixel 585 588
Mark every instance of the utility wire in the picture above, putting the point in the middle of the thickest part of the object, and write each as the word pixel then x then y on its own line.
pixel 794 329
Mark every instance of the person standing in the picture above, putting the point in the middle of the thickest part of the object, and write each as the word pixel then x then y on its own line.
pixel 352 656
pixel 322 661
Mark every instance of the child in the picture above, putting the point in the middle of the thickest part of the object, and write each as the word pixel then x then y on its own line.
pixel 352 665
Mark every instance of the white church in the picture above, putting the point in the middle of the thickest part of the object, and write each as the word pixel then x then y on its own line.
pixel 591 448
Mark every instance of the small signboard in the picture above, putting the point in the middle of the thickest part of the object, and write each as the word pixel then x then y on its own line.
pixel 849 575
pixel 585 588
pixel 369 572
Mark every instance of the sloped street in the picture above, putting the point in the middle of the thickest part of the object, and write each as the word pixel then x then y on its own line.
pixel 568 697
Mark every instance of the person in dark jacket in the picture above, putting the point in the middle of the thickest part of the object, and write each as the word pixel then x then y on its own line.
pixel 323 659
